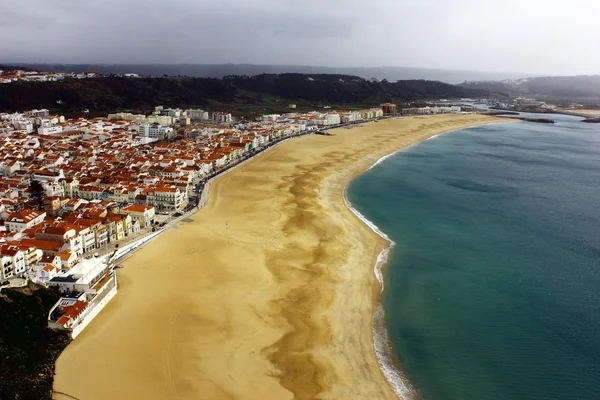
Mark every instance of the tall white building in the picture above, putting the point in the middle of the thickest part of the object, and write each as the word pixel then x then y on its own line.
pixel 23 124
pixel 270 117
pixel 333 118
pixel 172 112
pixel 197 114
pixel 221 117
pixel 43 113
pixel 156 131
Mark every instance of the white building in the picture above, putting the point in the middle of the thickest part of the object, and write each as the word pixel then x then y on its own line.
pixel 167 198
pixel 270 117
pixel 23 125
pixel 42 113
pixel 222 117
pixel 49 130
pixel 88 286
pixel 160 119
pixel 332 119
pixel 172 112
pixel 197 115
pixel 24 219
pixel 13 263
pixel 53 189
pixel 156 131
pixel 142 214
pixel 43 175
pixel 63 234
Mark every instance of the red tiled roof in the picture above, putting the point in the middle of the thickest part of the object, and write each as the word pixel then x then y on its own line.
pixel 72 312
pixel 137 208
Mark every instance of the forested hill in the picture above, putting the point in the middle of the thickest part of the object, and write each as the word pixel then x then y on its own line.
pixel 117 93
pixel 349 89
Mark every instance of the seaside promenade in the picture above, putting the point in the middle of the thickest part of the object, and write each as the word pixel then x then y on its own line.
pixel 268 291
pixel 146 235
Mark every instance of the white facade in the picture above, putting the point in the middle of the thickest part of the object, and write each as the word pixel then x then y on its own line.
pixel 53 189
pixel 172 112
pixel 157 132
pixel 26 220
pixel 49 130
pixel 270 117
pixel 41 113
pixel 221 117
pixel 97 284
pixel 24 125
pixel 167 199
pixel 12 265
pixel 332 119
pixel 197 114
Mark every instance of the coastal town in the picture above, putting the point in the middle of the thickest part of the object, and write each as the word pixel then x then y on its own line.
pixel 21 75
pixel 77 194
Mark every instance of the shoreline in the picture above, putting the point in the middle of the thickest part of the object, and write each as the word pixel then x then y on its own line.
pixel 383 346
pixel 301 298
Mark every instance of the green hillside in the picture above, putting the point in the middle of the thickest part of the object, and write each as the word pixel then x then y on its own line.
pixel 116 93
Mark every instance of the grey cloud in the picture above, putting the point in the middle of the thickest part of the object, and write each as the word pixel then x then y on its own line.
pixel 535 36
pixel 11 18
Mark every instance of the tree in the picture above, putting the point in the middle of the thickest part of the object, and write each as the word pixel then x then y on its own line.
pixel 37 193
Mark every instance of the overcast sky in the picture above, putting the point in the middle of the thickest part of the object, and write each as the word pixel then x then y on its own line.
pixel 533 36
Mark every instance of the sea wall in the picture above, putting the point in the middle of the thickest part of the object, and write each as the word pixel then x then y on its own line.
pixel 132 246
pixel 96 307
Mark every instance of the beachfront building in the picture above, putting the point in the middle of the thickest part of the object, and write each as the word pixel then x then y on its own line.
pixel 432 110
pixel 389 109
pixel 98 166
pixel 141 214
pixel 86 289
pixel 167 198
pixel 332 119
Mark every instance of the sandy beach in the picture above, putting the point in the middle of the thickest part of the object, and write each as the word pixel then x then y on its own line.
pixel 591 113
pixel 268 294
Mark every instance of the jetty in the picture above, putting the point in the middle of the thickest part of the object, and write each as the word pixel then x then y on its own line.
pixel 592 120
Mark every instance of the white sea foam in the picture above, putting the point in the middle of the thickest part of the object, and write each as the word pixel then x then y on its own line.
pixel 382 159
pixel 383 348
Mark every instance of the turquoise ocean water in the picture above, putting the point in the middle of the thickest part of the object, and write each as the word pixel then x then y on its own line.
pixel 492 290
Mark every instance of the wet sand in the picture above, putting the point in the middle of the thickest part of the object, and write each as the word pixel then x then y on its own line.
pixel 268 294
